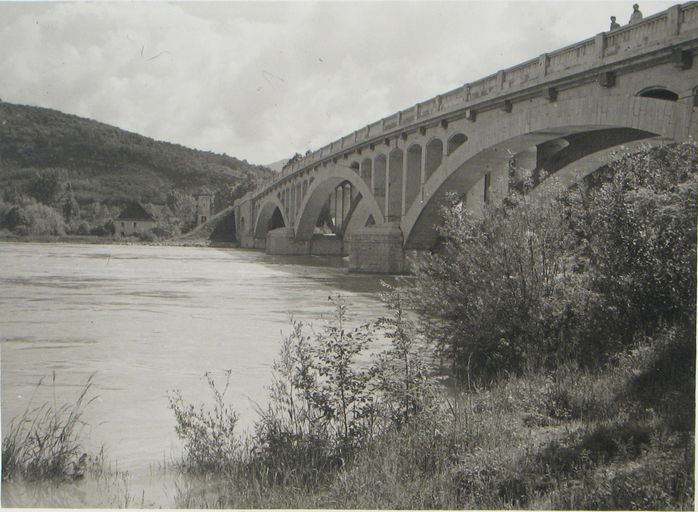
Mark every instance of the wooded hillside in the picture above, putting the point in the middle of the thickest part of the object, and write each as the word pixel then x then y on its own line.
pixel 106 164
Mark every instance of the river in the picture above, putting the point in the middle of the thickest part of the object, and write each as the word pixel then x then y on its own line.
pixel 146 320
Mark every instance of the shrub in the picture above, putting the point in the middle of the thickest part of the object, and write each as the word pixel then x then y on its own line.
pixel 639 229
pixel 147 236
pixel 401 378
pixel 568 276
pixel 328 401
pixel 209 436
pixel 500 294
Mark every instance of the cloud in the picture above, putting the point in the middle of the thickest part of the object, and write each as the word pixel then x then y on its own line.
pixel 263 80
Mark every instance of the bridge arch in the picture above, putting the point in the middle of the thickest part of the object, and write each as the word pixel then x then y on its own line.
pixel 319 191
pixel 271 207
pixel 489 149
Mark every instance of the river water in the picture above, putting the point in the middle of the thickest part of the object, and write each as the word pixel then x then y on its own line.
pixel 146 320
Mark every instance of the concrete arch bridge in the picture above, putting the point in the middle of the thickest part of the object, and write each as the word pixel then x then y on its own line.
pixel 376 193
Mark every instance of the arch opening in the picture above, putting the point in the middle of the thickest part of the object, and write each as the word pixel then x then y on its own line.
pixel 455 142
pixel 394 206
pixel 413 178
pixel 367 171
pixel 276 221
pixel 380 167
pixel 659 93
pixel 339 197
pixel 435 151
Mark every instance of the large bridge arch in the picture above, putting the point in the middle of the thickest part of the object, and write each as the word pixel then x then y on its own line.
pixel 496 140
pixel 265 214
pixel 318 192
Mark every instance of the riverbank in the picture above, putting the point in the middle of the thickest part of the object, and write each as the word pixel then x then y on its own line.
pixel 98 240
pixel 620 437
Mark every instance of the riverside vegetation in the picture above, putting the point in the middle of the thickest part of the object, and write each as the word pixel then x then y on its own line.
pixel 566 330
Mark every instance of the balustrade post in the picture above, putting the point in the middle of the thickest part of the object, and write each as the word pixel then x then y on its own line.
pixel 600 45
pixel 543 62
pixel 673 20
pixel 500 79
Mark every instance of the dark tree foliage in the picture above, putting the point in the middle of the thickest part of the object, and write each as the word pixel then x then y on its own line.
pixel 47 186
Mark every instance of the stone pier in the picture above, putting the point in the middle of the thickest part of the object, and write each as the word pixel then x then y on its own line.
pixel 282 241
pixel 377 249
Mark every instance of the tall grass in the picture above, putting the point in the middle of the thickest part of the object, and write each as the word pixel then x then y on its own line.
pixel 45 442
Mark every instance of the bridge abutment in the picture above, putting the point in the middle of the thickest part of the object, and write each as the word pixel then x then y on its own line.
pixel 376 249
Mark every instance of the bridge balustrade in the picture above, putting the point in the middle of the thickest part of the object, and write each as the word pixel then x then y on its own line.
pixel 651 31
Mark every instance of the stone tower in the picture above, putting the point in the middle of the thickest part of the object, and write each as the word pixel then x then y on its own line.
pixel 204 206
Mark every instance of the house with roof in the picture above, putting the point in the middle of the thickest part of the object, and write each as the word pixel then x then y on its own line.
pixel 133 220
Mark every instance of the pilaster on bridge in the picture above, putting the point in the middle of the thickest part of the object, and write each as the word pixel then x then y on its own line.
pixel 377 193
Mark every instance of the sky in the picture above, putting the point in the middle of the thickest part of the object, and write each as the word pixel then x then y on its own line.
pixel 263 80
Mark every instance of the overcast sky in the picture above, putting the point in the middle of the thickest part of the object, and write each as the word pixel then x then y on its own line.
pixel 262 80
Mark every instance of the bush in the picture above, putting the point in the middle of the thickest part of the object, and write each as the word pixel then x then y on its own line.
pixel 209 436
pixel 147 236
pixel 573 276
pixel 639 233
pixel 500 294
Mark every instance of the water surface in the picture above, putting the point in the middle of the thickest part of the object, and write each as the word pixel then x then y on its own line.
pixel 146 320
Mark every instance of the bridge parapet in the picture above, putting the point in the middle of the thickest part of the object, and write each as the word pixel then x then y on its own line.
pixel 669 27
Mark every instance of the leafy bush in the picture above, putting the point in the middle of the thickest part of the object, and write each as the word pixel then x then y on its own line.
pixel 501 293
pixel 209 436
pixel 573 276
pixel 639 234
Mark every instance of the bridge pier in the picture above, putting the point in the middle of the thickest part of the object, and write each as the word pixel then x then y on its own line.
pixel 376 249
pixel 327 245
pixel 282 241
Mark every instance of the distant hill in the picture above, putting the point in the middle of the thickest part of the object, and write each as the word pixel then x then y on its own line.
pixel 277 166
pixel 106 164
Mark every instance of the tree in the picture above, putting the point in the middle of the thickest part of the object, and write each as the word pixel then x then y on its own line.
pixel 639 232
pixel 574 275
pixel 496 289
pixel 227 194
pixel 401 377
pixel 183 212
pixel 71 209
pixel 46 186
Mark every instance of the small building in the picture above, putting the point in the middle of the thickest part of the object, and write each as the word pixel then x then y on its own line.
pixel 134 219
pixel 204 205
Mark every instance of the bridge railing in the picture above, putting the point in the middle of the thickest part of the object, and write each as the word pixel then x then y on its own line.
pixel 689 16
pixel 649 32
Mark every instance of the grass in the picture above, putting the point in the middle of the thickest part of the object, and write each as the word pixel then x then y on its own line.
pixel 619 437
pixel 45 442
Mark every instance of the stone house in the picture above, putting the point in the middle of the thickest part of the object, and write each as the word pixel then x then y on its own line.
pixel 134 219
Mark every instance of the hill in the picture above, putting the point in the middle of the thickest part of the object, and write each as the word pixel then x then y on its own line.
pixel 278 165
pixel 106 164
